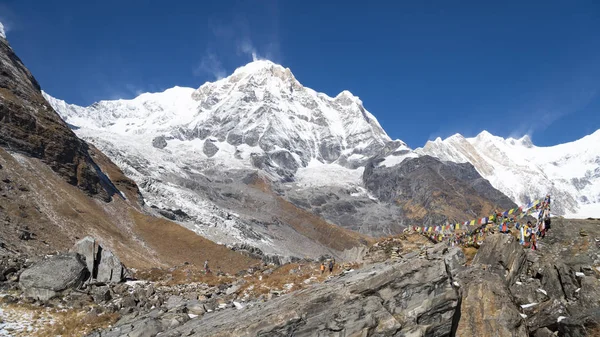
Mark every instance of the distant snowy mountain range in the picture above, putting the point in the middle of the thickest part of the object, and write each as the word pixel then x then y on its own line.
pixel 262 119
pixel 570 172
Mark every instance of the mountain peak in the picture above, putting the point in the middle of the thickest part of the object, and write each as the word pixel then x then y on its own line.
pixel 259 66
pixel 2 32
pixel 526 141
pixel 345 93
pixel 484 134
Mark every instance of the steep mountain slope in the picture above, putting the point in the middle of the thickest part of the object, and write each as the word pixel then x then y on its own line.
pixel 55 188
pixel 29 125
pixel 196 153
pixel 569 172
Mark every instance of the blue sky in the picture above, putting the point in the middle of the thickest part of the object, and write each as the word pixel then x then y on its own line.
pixel 423 68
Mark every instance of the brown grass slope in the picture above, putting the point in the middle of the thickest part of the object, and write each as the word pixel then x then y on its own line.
pixel 309 224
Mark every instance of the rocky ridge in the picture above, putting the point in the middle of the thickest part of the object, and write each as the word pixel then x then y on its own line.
pixel 28 124
pixel 504 291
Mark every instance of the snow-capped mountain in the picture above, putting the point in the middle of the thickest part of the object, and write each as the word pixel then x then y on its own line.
pixel 570 172
pixel 260 116
pixel 187 148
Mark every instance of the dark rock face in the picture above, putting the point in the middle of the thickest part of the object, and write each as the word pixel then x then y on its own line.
pixel 285 160
pixel 210 149
pixel 159 142
pixel 29 125
pixel 103 265
pixel 504 255
pixel 431 191
pixel 45 279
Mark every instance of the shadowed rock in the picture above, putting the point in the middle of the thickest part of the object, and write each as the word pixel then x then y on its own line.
pixel 210 149
pixel 29 125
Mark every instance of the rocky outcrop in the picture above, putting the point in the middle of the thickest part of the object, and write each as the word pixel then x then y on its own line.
pixel 416 289
pixel 487 308
pixel 46 279
pixel 87 261
pixel 502 254
pixel 209 148
pixel 413 297
pixel 159 142
pixel 103 265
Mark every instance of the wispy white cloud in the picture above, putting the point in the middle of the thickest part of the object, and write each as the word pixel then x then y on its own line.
pixel 236 42
pixel 7 19
pixel 210 65
pixel 134 89
pixel 246 47
pixel 547 110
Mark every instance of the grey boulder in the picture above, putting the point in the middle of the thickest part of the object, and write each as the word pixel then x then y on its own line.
pixel 45 279
pixel 103 265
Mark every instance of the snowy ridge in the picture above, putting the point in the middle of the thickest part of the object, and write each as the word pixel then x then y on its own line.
pixel 2 32
pixel 261 109
pixel 523 171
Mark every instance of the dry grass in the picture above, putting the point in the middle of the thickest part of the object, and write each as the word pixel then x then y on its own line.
pixel 294 274
pixel 183 275
pixel 310 224
pixel 176 244
pixel 470 253
pixel 124 184
pixel 413 210
pixel 75 324
pixel 316 228
pixel 48 322
pixel 59 214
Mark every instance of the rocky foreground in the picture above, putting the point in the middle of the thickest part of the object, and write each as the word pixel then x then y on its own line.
pixel 405 287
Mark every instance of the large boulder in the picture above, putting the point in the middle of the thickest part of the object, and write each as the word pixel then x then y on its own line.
pixel 87 247
pixel 45 279
pixel 103 265
pixel 159 142
pixel 487 308
pixel 110 269
pixel 503 255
